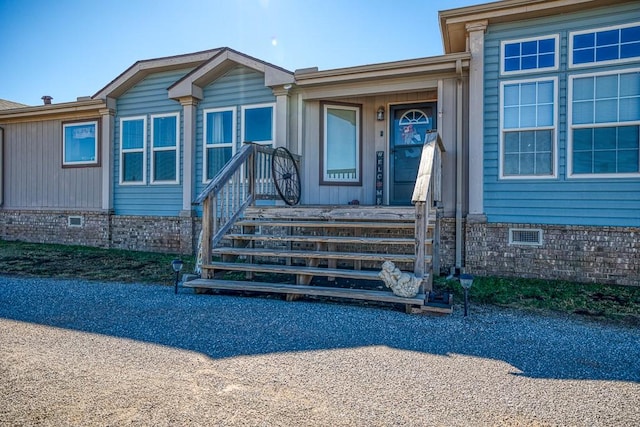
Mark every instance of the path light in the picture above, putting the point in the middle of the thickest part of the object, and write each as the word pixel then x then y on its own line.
pixel 466 280
pixel 176 265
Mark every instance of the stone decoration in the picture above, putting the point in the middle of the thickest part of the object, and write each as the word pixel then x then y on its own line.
pixel 402 284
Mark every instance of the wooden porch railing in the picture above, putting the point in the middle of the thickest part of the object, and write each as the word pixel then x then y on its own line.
pixel 426 193
pixel 245 178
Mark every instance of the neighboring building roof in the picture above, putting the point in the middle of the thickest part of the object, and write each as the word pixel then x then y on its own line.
pixel 453 21
pixel 140 69
pixel 6 105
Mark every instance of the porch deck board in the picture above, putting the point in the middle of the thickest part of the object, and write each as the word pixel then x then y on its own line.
pixel 363 256
pixel 358 294
pixel 294 270
pixel 325 223
pixel 327 239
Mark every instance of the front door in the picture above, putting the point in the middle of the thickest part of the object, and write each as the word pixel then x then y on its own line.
pixel 409 126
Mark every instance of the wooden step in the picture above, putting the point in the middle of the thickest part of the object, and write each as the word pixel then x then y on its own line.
pixel 325 224
pixel 328 212
pixel 362 256
pixel 358 294
pixel 294 270
pixel 327 239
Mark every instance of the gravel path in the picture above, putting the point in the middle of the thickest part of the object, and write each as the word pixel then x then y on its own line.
pixel 78 353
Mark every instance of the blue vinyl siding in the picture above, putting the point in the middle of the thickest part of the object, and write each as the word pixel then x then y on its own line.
pixel 563 200
pixel 148 97
pixel 240 86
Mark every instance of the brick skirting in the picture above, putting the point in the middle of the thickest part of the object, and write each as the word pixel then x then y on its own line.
pixel 102 229
pixel 605 255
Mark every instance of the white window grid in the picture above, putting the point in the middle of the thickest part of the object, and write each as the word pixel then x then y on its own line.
pixel 556 50
pixel 175 148
pixel 553 128
pixel 206 146
pixel 571 126
pixel 142 150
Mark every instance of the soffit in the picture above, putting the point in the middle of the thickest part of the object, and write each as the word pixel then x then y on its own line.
pixel 453 21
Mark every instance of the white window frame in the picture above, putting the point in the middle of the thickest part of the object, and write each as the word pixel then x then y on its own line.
pixel 155 149
pixel 556 57
pixel 357 180
pixel 134 150
pixel 601 63
pixel 94 162
pixel 570 127
pixel 554 132
pixel 205 146
pixel 243 108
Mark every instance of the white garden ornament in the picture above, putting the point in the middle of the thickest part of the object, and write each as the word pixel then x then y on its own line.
pixel 402 284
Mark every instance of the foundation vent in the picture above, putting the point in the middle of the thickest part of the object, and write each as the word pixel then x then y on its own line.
pixel 74 221
pixel 525 236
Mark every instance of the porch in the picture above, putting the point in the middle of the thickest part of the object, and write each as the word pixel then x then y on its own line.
pixel 253 242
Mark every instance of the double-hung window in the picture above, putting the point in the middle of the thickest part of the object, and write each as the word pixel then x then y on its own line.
pixel 165 155
pixel 220 135
pixel 80 143
pixel 341 144
pixel 527 55
pixel 258 124
pixel 133 154
pixel 528 129
pixel 604 124
pixel 605 45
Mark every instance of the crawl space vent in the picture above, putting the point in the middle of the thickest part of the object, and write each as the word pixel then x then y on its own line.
pixel 74 221
pixel 525 236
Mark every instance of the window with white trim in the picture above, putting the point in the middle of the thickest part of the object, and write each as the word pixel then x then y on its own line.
pixel 341 144
pixel 258 123
pixel 80 143
pixel 219 139
pixel 165 154
pixel 528 129
pixel 531 54
pixel 133 155
pixel 604 45
pixel 604 124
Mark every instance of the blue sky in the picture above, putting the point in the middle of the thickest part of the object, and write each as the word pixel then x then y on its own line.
pixel 71 48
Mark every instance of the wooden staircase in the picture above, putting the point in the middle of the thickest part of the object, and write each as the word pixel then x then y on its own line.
pixel 329 251
pixel 320 251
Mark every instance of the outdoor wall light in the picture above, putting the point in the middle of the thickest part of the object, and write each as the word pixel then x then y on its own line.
pixel 177 265
pixel 466 280
pixel 380 113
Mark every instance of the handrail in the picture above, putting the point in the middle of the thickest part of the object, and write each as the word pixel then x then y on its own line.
pixel 427 191
pixel 245 178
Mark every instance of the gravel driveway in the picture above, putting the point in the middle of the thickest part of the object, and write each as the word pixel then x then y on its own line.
pixel 82 353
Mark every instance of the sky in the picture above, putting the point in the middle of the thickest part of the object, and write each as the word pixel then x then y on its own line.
pixel 72 48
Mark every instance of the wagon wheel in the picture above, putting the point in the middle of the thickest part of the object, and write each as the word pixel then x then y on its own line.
pixel 285 176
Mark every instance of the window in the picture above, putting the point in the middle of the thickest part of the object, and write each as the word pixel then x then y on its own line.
pixel 220 135
pixel 80 143
pixel 133 156
pixel 258 124
pixel 340 161
pixel 605 45
pixel 604 124
pixel 165 162
pixel 528 120
pixel 519 56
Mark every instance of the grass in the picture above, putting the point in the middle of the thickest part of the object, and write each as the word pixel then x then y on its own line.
pixel 613 303
pixel 80 262
pixel 610 302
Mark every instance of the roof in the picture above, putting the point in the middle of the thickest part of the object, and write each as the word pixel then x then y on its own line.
pixel 7 105
pixel 140 69
pixel 218 65
pixel 453 22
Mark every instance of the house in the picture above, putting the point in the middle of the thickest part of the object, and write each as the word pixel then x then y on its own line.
pixel 554 171
pixel 513 154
